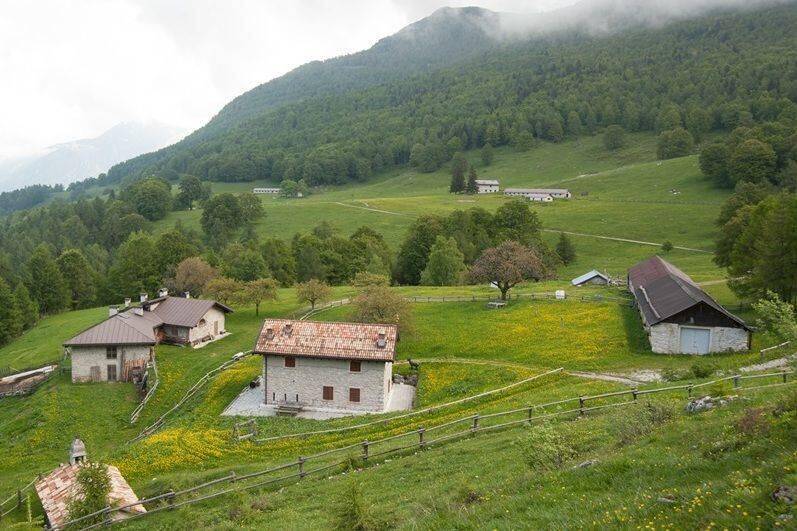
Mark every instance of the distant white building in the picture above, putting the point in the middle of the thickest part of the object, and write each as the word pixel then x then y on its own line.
pixel 487 186
pixel 273 191
pixel 539 194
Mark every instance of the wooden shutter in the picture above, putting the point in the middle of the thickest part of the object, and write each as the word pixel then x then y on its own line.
pixel 327 392
pixel 290 361
pixel 354 394
pixel 354 366
pixel 111 373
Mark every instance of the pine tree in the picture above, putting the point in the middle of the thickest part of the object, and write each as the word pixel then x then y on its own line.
pixel 79 277
pixel 28 310
pixel 47 285
pixel 10 321
pixel 471 187
pixel 487 154
pixel 565 249
pixel 458 168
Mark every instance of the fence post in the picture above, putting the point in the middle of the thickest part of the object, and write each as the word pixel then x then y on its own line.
pixel 19 497
pixel 170 500
pixel 689 391
pixel 106 516
pixel 581 405
pixel 421 443
pixel 634 392
pixel 784 375
pixel 475 423
pixel 365 450
pixel 301 467
pixel 736 381
pixel 531 413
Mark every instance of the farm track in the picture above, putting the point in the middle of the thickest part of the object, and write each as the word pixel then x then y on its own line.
pixel 626 240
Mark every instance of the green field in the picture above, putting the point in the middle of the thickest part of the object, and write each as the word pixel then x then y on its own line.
pixel 623 194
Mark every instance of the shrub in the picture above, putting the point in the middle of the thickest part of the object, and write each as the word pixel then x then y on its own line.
pixel 673 375
pixel 703 369
pixel 94 485
pixel 351 512
pixel 753 422
pixel 639 421
pixel 546 449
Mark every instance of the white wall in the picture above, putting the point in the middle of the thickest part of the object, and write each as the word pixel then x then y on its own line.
pixel 84 358
pixel 201 331
pixel 310 375
pixel 665 338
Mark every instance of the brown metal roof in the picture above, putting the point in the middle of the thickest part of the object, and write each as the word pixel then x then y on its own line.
pixel 129 328
pixel 662 291
pixel 314 339
pixel 57 489
pixel 125 328
pixel 179 311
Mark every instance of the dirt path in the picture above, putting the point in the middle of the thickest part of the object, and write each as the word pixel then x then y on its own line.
pixel 772 364
pixel 370 209
pixel 640 242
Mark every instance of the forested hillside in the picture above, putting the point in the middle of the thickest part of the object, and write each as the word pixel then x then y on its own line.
pixel 711 73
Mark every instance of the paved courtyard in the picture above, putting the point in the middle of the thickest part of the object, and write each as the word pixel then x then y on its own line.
pixel 250 404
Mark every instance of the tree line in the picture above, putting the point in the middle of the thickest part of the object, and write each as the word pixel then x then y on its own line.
pixel 684 81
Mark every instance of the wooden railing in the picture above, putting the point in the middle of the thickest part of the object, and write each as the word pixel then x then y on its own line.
pixel 415 439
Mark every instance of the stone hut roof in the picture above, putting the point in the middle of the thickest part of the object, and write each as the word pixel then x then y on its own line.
pixel 315 339
pixel 57 489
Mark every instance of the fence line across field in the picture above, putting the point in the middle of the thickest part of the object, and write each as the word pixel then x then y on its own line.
pixel 140 407
pixel 474 425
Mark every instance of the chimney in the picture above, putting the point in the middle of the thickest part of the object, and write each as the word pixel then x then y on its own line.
pixel 138 310
pixel 77 452
pixel 128 300
pixel 187 294
pixel 163 292
pixel 287 329
pixel 381 341
pixel 269 333
pixel 112 310
pixel 143 297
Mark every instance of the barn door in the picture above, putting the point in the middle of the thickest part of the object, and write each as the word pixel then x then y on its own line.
pixel 94 373
pixel 695 340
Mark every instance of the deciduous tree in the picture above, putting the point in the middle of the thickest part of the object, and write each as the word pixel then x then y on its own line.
pixel 257 291
pixel 445 265
pixel 313 291
pixel 509 264
pixel 565 249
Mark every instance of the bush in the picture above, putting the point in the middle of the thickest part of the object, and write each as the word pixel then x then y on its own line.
pixel 703 369
pixel 94 485
pixel 637 422
pixel 673 375
pixel 352 512
pixel 544 448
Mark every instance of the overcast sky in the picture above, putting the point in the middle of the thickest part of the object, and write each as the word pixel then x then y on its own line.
pixel 72 69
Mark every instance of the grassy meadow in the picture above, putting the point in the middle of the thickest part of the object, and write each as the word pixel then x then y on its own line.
pixel 625 193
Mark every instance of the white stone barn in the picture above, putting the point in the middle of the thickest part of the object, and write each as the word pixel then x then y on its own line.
pixel 487 186
pixel 679 317
pixel 327 366
pixel 545 195
pixel 594 277
pixel 119 348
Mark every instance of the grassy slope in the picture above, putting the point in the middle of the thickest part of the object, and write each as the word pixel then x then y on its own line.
pixel 716 474
pixel 628 195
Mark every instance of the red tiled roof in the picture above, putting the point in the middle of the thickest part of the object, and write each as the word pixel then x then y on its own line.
pixel 57 489
pixel 314 339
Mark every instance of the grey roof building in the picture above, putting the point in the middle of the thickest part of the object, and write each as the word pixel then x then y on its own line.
pixel 679 316
pixel 120 347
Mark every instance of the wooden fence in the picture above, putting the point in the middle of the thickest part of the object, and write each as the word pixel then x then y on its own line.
pixel 16 500
pixel 140 407
pixel 773 349
pixel 413 440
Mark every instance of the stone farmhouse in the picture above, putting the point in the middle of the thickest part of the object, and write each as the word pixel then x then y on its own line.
pixel 119 348
pixel 487 186
pixel 544 195
pixel 679 317
pixel 327 366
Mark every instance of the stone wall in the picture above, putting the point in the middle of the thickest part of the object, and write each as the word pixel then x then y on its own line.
pixel 665 338
pixel 307 379
pixel 84 358
pixel 201 331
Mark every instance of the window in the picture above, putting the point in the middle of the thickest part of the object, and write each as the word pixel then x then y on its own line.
pixel 354 394
pixel 110 353
pixel 290 361
pixel 111 373
pixel 354 366
pixel 327 393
